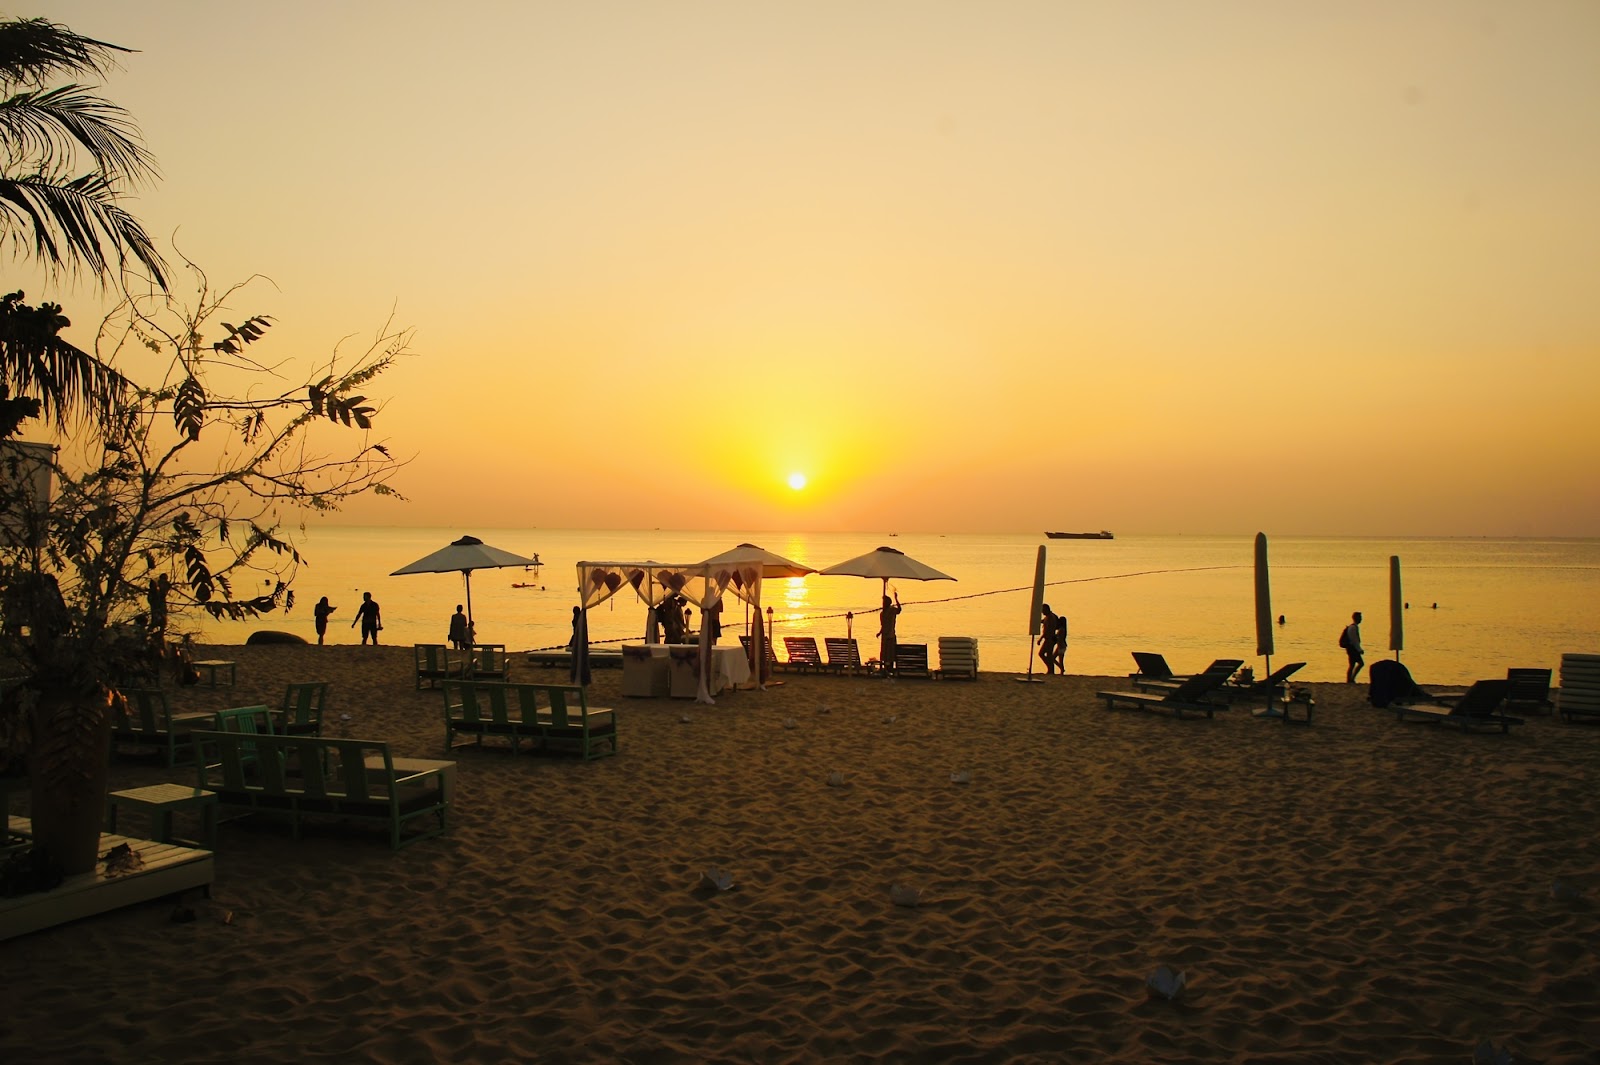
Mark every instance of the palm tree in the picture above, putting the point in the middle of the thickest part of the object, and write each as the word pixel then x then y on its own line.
pixel 71 220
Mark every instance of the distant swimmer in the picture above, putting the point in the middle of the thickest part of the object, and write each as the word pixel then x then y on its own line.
pixel 1282 620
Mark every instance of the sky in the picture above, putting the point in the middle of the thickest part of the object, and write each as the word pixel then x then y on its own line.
pixel 1157 267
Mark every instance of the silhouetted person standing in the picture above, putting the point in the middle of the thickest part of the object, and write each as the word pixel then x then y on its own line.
pixel 459 638
pixel 367 616
pixel 319 614
pixel 1352 647
pixel 888 643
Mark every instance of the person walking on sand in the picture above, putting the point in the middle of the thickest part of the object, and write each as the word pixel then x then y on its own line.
pixel 320 614
pixel 1047 638
pixel 367 616
pixel 1351 641
pixel 888 645
pixel 459 637
pixel 1059 644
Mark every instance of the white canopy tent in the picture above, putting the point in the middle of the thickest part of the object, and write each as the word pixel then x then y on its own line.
pixel 702 583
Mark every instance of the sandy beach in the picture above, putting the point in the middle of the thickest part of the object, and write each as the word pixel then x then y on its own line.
pixel 1357 891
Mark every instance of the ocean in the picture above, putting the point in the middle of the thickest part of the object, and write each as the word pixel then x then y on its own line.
pixel 1477 606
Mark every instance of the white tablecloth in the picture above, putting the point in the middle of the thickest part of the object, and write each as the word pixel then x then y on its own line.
pixel 729 669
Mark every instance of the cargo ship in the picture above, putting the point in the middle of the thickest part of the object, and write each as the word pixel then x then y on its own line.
pixel 1103 534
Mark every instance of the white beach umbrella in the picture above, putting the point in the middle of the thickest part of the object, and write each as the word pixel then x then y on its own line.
pixel 885 563
pixel 773 567
pixel 464 555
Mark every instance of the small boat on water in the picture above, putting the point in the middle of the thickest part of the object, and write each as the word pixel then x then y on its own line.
pixel 519 584
pixel 1103 534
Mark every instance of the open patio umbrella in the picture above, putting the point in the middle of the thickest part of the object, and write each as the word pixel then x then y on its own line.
pixel 885 563
pixel 773 566
pixel 466 554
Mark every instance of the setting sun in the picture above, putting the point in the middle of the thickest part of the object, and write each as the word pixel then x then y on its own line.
pixel 797 481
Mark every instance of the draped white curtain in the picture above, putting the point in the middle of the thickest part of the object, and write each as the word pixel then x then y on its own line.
pixel 701 584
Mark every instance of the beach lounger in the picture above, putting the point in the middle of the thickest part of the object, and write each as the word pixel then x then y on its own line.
pixel 803 654
pixel 1225 666
pixel 773 665
pixel 1189 697
pixel 1268 687
pixel 911 660
pixel 1528 691
pixel 1480 707
pixel 1151 666
pixel 1578 699
pixel 958 657
pixel 844 654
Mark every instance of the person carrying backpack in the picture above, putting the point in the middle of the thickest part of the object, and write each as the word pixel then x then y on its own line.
pixel 1350 640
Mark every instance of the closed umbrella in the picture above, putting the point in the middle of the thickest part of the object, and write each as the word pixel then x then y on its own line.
pixel 1397 629
pixel 1036 609
pixel 464 555
pixel 1264 638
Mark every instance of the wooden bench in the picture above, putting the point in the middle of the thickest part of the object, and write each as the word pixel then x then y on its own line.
pixel 143 716
pixel 553 717
pixel 1578 698
pixel 300 776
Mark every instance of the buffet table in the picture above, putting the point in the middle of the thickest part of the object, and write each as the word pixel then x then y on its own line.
pixel 728 667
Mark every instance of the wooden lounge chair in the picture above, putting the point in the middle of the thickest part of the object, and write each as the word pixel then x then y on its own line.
pixel 1224 666
pixel 435 663
pixel 844 654
pixel 803 654
pixel 911 660
pixel 958 658
pixel 1579 696
pixel 1151 666
pixel 1480 707
pixel 143 716
pixel 1268 687
pixel 301 712
pixel 1528 691
pixel 773 665
pixel 1189 697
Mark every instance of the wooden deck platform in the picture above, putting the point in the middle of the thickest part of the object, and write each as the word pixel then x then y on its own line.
pixel 168 869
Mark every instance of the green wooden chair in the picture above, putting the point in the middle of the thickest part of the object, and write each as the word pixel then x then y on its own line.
pixel 488 661
pixel 248 721
pixel 434 664
pixel 572 723
pixel 301 712
pixel 144 716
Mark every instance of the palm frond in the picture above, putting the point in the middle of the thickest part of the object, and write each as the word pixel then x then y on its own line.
pixel 35 49
pixel 68 219
pixel 36 362
pixel 46 126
